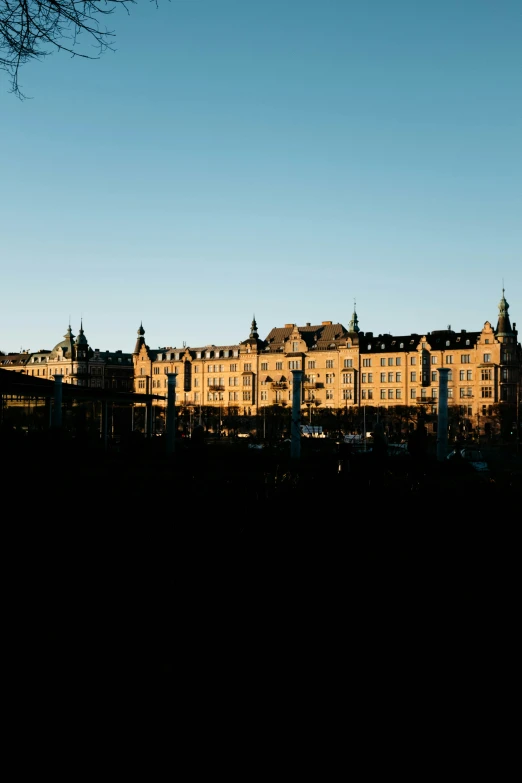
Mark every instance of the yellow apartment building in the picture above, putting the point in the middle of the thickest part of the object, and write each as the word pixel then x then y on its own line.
pixel 342 367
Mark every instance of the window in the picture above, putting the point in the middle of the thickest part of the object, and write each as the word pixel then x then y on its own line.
pixel 347 394
pixel 264 366
pixel 367 362
pixel 295 346
pixel 434 393
pixel 462 375
pixel 264 396
pixel 247 380
pixel 465 392
pixel 311 365
pixel 449 359
pixel 383 377
pixel 383 394
pixel 370 394
pixel 156 370
pixel 348 363
pixel 390 361
pixel 363 379
pixel 434 375
pixel 485 375
pixel 363 394
pixel 247 367
pixel 398 394
pixel 413 377
pixel 279 365
pixel 390 394
pixel 464 358
pixel 413 360
pixel 450 375
pixel 329 364
pixel 196 382
pixel 329 394
pixel 383 361
pixel 234 396
pixel 487 357
pixel 294 365
pixel 141 384
pixel 310 379
pixel 434 359
pixel 413 394
pixel 486 391
pixel 347 377
pixel 233 368
pixel 390 377
pixel 329 377
pixel 247 396
pixel 469 375
pixel 398 359
pixel 450 392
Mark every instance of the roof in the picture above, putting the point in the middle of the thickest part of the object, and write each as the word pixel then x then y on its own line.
pixel 321 336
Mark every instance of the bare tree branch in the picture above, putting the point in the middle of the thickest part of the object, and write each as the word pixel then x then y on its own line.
pixel 33 29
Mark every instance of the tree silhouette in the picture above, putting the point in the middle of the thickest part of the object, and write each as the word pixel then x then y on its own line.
pixel 33 29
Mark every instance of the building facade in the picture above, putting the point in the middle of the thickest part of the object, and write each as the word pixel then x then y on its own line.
pixel 77 363
pixel 342 368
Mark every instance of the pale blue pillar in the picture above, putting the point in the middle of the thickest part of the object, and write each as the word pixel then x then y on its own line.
pixel 295 445
pixel 171 412
pixel 442 411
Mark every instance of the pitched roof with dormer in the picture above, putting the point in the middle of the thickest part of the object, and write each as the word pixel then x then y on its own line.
pixel 320 337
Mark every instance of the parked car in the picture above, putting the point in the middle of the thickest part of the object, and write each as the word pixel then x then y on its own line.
pixel 471 456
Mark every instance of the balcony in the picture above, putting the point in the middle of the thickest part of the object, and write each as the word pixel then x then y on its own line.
pixel 215 387
pixel 279 385
pixel 427 400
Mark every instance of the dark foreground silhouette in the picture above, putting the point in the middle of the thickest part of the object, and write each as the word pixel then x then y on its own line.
pixel 131 559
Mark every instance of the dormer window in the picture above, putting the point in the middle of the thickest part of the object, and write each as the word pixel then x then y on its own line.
pixel 401 345
pixel 383 346
pixel 295 346
pixel 467 342
pixel 208 354
pixel 447 343
pixel 370 347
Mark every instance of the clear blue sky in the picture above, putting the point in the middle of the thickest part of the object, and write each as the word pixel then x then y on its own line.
pixel 276 157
